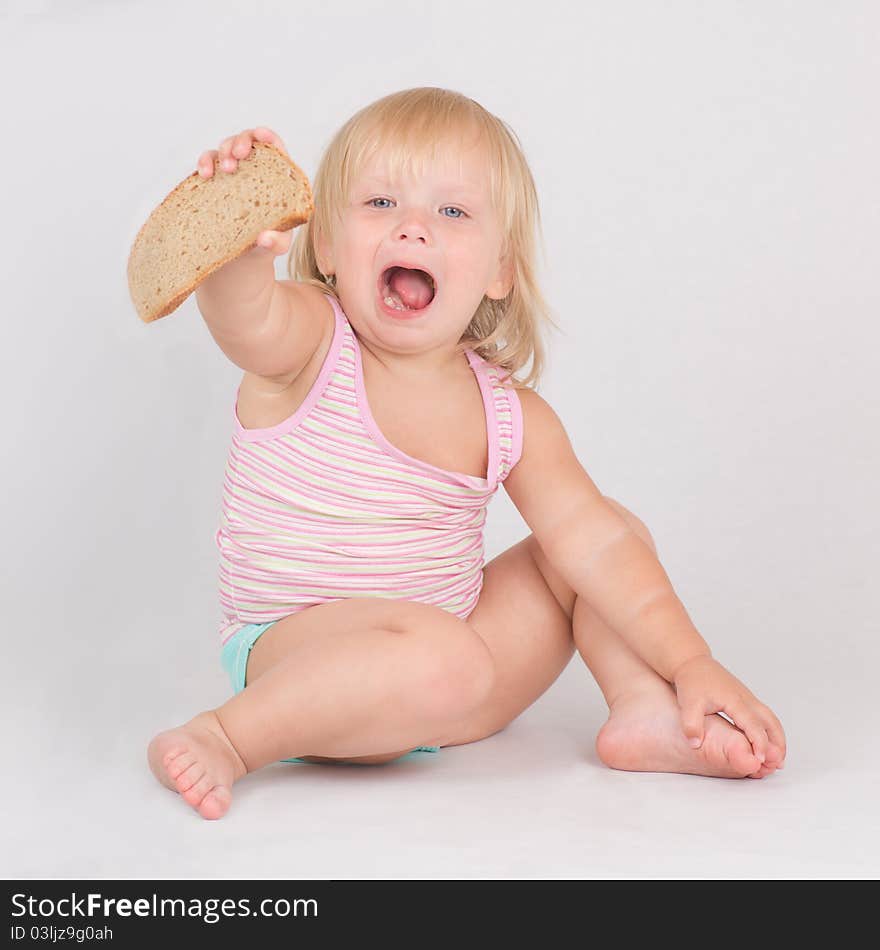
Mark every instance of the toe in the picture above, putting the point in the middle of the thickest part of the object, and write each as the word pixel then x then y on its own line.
pixel 216 803
pixel 196 793
pixel 177 764
pixel 739 755
pixel 171 752
pixel 156 761
pixel 187 779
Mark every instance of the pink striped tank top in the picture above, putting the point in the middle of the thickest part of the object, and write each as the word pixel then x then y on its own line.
pixel 322 507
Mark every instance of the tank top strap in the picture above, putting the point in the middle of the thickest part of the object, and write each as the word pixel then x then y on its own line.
pixel 506 415
pixel 344 376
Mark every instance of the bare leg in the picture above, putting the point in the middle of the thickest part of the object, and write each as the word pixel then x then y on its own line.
pixel 370 683
pixel 532 622
pixel 360 691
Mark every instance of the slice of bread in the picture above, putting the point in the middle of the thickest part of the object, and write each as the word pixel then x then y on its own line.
pixel 206 222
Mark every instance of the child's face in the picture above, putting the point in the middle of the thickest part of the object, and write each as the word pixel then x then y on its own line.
pixel 444 222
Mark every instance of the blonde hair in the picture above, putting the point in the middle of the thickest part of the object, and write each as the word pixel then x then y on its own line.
pixel 409 125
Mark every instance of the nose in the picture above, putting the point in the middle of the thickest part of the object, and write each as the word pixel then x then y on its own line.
pixel 412 228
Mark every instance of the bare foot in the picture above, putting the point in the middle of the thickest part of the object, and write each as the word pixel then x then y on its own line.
pixel 644 734
pixel 198 761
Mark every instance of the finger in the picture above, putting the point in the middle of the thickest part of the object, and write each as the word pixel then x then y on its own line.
pixel 263 134
pixel 224 149
pixel 775 732
pixel 277 242
pixel 693 712
pixel 242 144
pixel 775 751
pixel 240 147
pixel 266 239
pixel 752 726
pixel 226 159
pixel 205 164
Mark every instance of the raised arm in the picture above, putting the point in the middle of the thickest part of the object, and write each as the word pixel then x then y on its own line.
pixel 267 327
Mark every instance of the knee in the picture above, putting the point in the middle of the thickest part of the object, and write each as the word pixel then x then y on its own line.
pixel 636 524
pixel 458 674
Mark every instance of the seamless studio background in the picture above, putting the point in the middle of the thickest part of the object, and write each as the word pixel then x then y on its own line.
pixel 710 208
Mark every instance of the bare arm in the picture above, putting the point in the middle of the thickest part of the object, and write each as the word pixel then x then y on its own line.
pixel 594 549
pixel 235 300
pixel 267 327
pixel 603 560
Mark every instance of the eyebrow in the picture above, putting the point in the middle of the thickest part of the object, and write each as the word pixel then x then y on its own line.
pixel 450 185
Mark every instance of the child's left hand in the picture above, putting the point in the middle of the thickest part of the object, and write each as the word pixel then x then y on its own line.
pixel 705 687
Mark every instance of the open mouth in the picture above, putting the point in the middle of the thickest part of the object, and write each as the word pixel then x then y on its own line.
pixel 406 289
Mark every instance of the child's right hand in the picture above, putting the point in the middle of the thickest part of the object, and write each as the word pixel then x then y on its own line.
pixel 229 153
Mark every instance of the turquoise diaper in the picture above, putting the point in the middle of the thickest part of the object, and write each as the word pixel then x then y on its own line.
pixel 233 659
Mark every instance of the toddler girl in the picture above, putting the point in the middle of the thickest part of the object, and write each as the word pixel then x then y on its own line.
pixel 380 409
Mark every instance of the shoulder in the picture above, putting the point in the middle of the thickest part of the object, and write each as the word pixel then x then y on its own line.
pixel 541 424
pixel 546 447
pixel 549 484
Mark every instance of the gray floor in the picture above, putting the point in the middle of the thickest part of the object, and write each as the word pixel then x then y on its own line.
pixel 530 802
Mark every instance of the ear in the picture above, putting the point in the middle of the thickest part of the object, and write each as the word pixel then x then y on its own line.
pixel 503 281
pixel 323 254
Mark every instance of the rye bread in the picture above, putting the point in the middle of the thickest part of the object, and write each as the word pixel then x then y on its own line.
pixel 206 222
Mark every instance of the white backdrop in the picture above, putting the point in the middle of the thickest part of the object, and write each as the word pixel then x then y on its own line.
pixel 710 206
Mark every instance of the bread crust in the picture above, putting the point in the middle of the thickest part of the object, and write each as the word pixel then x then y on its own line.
pixel 194 193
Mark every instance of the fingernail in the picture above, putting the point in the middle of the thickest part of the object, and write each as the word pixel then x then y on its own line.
pixel 695 742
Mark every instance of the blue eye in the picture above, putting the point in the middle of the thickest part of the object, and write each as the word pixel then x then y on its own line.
pixel 455 217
